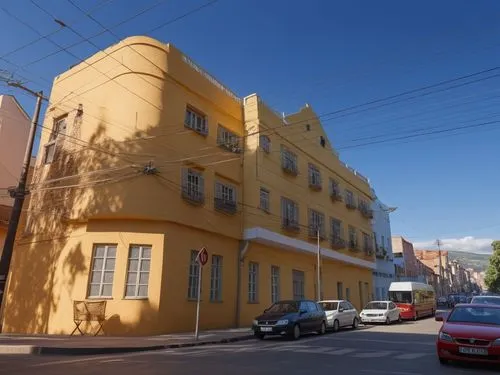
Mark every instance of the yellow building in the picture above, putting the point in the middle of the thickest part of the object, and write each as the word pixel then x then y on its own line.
pixel 144 159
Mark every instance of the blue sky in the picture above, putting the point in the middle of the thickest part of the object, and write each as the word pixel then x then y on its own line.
pixel 331 55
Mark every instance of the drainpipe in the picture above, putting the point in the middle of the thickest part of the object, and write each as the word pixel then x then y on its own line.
pixel 240 261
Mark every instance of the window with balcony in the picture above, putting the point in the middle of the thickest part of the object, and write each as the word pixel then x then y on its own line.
pixel 365 209
pixel 337 231
pixel 316 222
pixel 228 140
pixel 59 128
pixel 225 198
pixel 349 199
pixel 195 120
pixel 289 215
pixel 289 161
pixel 314 177
pixel 265 204
pixel 193 186
pixel 265 143
pixel 334 190
pixel 367 244
pixel 353 238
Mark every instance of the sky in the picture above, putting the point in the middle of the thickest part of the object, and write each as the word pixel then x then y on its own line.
pixel 432 153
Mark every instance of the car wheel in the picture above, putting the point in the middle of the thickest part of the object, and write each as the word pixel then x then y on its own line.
pixel 355 323
pixel 322 329
pixel 415 317
pixel 260 336
pixel 399 319
pixel 336 326
pixel 388 321
pixel 443 361
pixel 296 332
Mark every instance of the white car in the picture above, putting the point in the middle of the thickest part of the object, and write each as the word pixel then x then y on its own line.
pixel 380 312
pixel 339 314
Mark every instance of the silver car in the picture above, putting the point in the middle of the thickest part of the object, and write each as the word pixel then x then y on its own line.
pixel 339 314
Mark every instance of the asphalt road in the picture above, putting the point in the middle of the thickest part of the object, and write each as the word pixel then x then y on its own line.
pixel 402 349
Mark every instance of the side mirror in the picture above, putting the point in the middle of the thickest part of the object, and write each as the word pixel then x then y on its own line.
pixel 302 312
pixel 266 310
pixel 341 309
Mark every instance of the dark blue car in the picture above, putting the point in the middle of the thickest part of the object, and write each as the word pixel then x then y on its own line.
pixel 291 319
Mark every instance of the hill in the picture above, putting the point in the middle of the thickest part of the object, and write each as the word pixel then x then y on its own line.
pixel 479 262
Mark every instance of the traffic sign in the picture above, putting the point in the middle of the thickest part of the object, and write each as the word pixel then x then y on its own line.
pixel 203 256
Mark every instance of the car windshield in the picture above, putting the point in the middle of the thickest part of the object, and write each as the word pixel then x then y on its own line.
pixel 376 306
pixel 400 297
pixel 284 307
pixel 486 300
pixel 478 315
pixel 329 306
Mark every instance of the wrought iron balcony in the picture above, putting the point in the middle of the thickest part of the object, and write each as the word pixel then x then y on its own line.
pixel 337 242
pixel 336 196
pixel 230 146
pixel 225 205
pixel 366 212
pixel 290 225
pixel 353 245
pixel 289 167
pixel 350 205
pixel 315 185
pixel 193 196
pixel 313 233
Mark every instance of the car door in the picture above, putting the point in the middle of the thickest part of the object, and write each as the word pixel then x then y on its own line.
pixel 343 314
pixel 305 316
pixel 352 313
pixel 315 316
pixel 393 312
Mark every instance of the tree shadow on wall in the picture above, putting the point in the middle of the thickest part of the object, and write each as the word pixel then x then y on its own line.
pixel 85 180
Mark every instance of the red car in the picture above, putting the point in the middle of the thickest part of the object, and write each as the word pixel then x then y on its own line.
pixel 470 333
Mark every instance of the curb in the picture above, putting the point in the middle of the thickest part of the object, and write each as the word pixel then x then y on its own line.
pixel 54 350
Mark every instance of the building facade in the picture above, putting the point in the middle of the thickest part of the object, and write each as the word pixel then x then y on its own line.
pixel 384 274
pixel 14 131
pixel 404 249
pixel 147 160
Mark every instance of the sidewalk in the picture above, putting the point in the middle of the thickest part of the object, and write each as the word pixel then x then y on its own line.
pixel 88 345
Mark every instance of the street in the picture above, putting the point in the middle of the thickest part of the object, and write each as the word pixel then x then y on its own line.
pixel 400 349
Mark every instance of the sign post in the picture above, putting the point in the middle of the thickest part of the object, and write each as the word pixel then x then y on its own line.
pixel 202 259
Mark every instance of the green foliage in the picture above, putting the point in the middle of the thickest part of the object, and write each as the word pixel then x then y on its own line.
pixel 492 278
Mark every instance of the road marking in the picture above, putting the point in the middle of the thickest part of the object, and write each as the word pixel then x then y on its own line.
pixel 341 351
pixel 373 354
pixel 411 355
pixel 390 341
pixel 390 372
pixel 313 350
pixel 113 360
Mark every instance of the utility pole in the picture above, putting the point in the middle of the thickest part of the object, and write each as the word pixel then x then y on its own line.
pixel 318 266
pixel 19 193
pixel 439 243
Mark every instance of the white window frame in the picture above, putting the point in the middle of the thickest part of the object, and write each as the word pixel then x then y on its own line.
pixel 59 127
pixel 265 199
pixel 227 138
pixel 314 175
pixel 104 269
pixel 196 120
pixel 353 235
pixel 225 192
pixel 333 227
pixel 289 211
pixel 316 219
pixel 216 278
pixel 253 282
pixel 366 242
pixel 289 159
pixel 193 275
pixel 143 268
pixel 349 197
pixel 275 284
pixel 193 183
pixel 265 143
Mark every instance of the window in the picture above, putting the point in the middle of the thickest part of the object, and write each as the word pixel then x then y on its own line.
pixel 340 290
pixel 289 161
pixel 349 199
pixel 367 243
pixel 275 284
pixel 194 275
pixel 334 190
pixel 228 140
pixel 225 197
pixel 193 185
pixel 322 141
pixel 316 221
pixel 265 143
pixel 314 177
pixel 196 121
pixel 216 279
pixel 337 230
pixel 298 281
pixel 103 271
pixel 308 127
pixel 59 127
pixel 289 214
pixel 139 263
pixel 353 237
pixel 253 282
pixel 264 200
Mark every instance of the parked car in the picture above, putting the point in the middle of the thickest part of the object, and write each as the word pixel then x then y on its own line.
pixel 290 318
pixel 442 300
pixel 488 300
pixel 339 314
pixel 380 312
pixel 470 333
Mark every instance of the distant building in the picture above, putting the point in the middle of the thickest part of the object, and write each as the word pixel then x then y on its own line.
pixel 384 274
pixel 14 132
pixel 404 249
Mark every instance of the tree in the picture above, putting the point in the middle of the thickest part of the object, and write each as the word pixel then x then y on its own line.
pixel 492 278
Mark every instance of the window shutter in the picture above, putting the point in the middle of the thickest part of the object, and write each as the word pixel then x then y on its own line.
pixel 201 184
pixel 185 172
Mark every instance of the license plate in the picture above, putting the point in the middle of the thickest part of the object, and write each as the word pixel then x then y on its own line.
pixel 266 329
pixel 476 351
